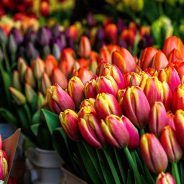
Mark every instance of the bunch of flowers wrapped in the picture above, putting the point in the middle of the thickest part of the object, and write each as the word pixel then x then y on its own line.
pixel 127 120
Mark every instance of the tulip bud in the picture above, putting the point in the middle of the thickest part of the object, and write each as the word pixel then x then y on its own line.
pixel 170 75
pixel 3 168
pixel 84 75
pixel 107 104
pixel 153 153
pixel 44 8
pixel 146 57
pixel 22 66
pixel 133 133
pixel 84 47
pixel 106 84
pixel 155 90
pixel 136 106
pixel 132 79
pixel 30 93
pixel 41 101
pixel 59 78
pixel 165 178
pixel 17 35
pixel 69 122
pixel 90 89
pixel 175 56
pixel 76 90
pixel 89 126
pixel 170 117
pixel 56 51
pixel 124 60
pixel 29 77
pixel 170 144
pixel 88 102
pixel 18 97
pixel 38 68
pixel 59 100
pixel 159 61
pixel 111 32
pixel 172 43
pixel 158 118
pixel 45 83
pixel 16 80
pixel 115 132
pixel 112 70
pixel 180 69
pixel 179 125
pixel 50 64
pixel 121 93
pixel 178 98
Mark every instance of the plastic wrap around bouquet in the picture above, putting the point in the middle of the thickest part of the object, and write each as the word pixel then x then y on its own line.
pixel 8 150
pixel 124 125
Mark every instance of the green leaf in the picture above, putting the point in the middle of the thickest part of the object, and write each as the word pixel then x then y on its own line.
pixel 120 165
pixel 181 171
pixel 36 117
pixel 89 163
pixel 52 120
pixel 106 173
pixel 8 116
pixel 112 167
pixel 129 177
pixel 35 128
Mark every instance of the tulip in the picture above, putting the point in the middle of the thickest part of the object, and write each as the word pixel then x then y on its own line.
pixel 59 78
pixel 3 168
pixel 88 102
pixel 153 153
pixel 128 36
pixel 175 56
pixel 165 178
pixel 106 84
pixel 17 36
pixel 170 144
pixel 45 83
pixel 158 118
pixel 155 90
pixel 30 93
pixel 170 75
pixel 84 75
pixel 29 77
pixel 16 80
pixel 84 47
pixel 178 98
pixel 44 8
pixel 159 61
pixel 56 51
pixel 90 89
pixel 124 60
pixel 43 37
pixel 107 104
pixel 22 66
pixel 170 117
pixel 30 51
pixel 172 43
pixel 136 106
pixel 179 125
pixel 180 69
pixel 111 32
pixel 132 79
pixel 50 64
pixel 121 93
pixel 115 132
pixel 69 122
pixel 38 68
pixel 12 47
pixel 41 101
pixel 106 69
pixel 59 100
pixel 76 90
pixel 18 97
pixel 133 133
pixel 83 63
pixel 89 126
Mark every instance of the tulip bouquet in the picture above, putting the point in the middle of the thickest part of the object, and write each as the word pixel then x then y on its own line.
pixel 125 124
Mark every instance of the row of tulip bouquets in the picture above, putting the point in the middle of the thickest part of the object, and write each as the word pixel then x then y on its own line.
pixel 134 105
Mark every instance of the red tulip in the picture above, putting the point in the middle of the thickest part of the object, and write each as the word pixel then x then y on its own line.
pixel 165 178
pixel 90 89
pixel 153 153
pixel 84 47
pixel 50 64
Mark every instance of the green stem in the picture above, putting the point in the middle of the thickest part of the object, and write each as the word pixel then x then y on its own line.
pixel 133 166
pixel 175 172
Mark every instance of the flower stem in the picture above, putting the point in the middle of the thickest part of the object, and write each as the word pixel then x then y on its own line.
pixel 176 172
pixel 133 166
